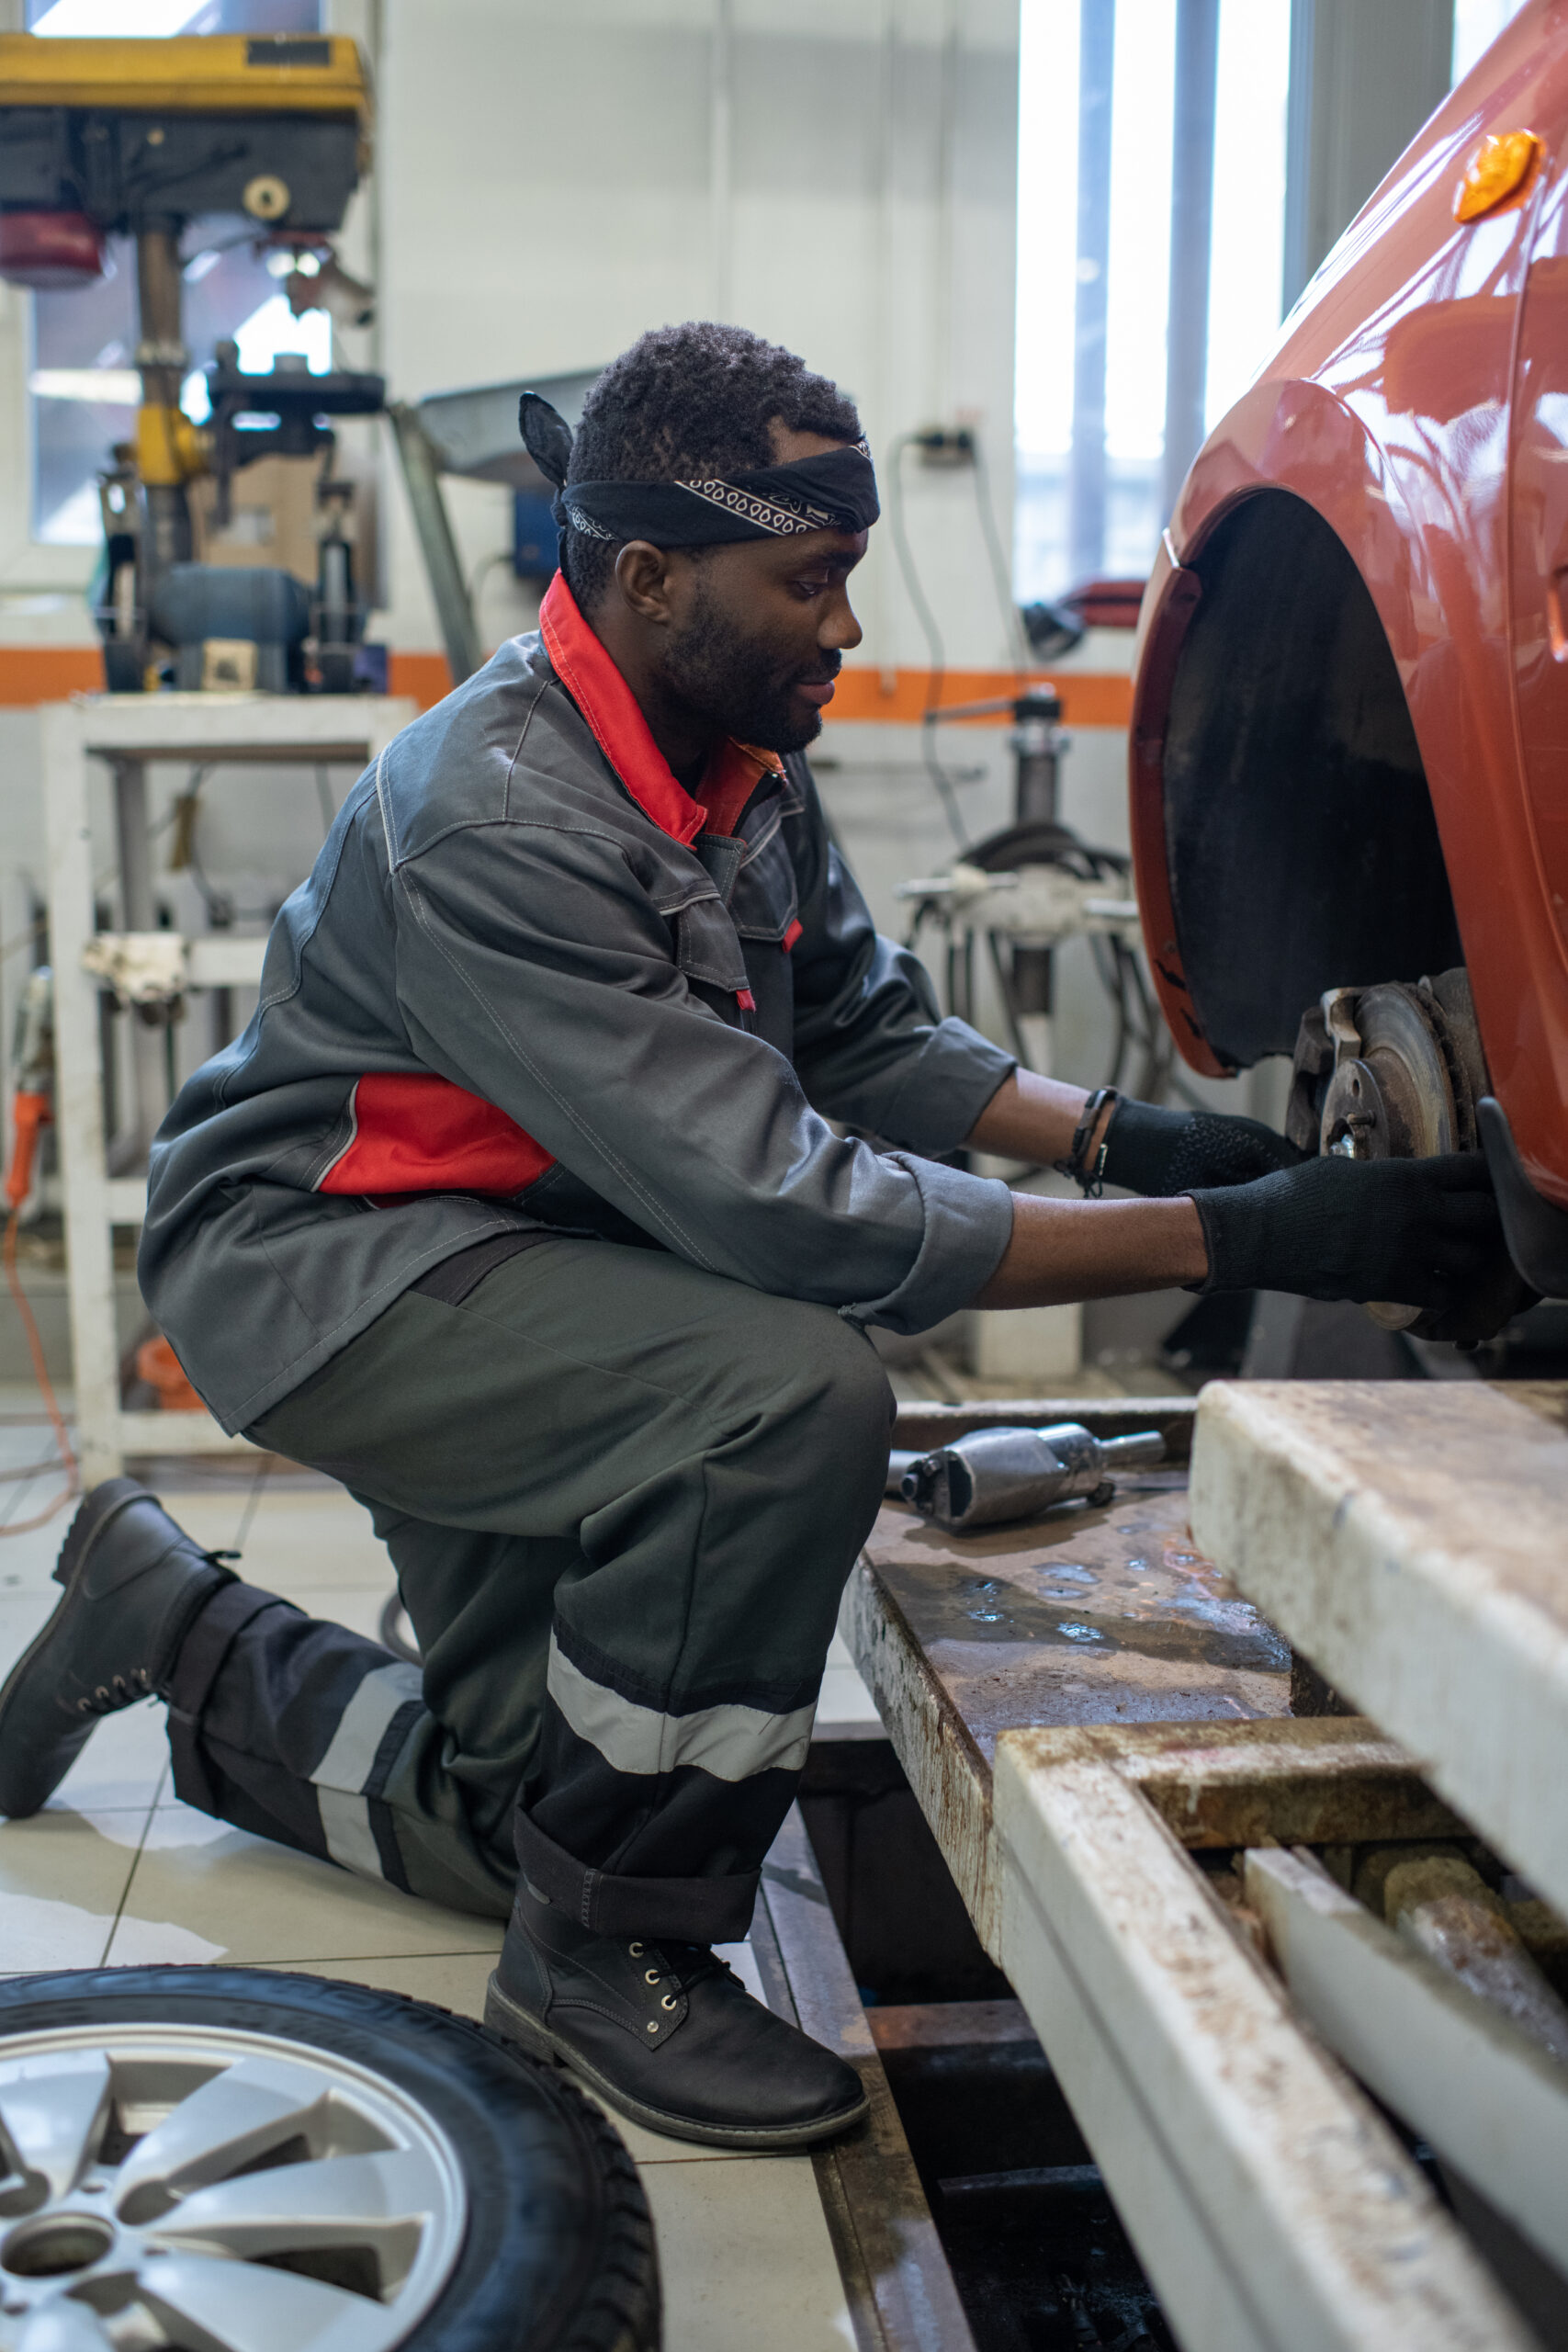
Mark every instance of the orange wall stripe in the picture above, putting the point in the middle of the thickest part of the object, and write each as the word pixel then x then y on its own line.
pixel 423 675
pixel 35 673
pixel 32 673
pixel 1089 697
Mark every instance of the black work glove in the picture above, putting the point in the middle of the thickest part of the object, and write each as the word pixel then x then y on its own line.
pixel 1420 1232
pixel 1164 1152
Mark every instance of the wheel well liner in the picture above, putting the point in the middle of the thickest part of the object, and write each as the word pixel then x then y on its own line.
pixel 1303 850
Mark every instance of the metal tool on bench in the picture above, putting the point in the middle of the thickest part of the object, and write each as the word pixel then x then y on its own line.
pixel 993 1474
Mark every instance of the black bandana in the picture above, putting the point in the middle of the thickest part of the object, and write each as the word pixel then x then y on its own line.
pixel 836 491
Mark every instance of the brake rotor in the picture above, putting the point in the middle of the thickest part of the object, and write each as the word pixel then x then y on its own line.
pixel 1397 1098
pixel 1392 1072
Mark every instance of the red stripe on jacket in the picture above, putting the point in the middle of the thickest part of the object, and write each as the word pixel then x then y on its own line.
pixel 417 1133
pixel 590 677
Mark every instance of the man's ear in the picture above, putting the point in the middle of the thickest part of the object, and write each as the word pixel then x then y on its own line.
pixel 643 577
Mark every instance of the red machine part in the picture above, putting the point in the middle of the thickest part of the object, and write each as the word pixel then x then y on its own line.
pixel 49 250
pixel 30 1113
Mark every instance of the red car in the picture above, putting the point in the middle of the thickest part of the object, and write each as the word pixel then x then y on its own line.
pixel 1349 747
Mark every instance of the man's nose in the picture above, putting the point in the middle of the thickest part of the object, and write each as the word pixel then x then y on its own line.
pixel 841 633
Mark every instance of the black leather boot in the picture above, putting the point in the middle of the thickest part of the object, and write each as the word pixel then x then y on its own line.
pixel 667 2034
pixel 133 1582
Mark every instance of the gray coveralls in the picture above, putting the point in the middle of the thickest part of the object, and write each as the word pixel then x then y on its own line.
pixel 515 1208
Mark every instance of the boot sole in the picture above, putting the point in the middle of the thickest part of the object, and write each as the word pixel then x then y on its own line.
pixel 69 1577
pixel 505 2017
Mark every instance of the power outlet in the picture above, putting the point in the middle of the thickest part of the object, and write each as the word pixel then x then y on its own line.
pixel 945 445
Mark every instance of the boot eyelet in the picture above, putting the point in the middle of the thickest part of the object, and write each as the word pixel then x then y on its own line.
pixel 651 1975
pixel 668 2002
pixel 635 1951
pixel 653 2025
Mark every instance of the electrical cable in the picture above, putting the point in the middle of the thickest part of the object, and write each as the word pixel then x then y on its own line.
pixel 1001 570
pixel 1140 1027
pixel 482 570
pixel 943 784
pixel 68 1462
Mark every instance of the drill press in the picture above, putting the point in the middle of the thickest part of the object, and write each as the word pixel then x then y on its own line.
pixel 139 137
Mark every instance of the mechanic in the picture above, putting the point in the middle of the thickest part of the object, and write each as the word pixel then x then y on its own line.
pixel 517 1209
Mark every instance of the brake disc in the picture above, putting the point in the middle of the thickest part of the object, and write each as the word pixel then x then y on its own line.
pixel 1391 1096
pixel 1389 1072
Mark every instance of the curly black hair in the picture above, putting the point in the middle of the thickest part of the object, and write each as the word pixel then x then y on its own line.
pixel 693 399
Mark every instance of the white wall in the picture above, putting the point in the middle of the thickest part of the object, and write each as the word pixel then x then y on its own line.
pixel 838 175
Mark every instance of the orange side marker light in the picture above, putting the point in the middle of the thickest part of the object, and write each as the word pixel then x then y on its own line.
pixel 1499 171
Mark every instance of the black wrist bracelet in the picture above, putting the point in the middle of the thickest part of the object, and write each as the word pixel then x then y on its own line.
pixel 1073 1165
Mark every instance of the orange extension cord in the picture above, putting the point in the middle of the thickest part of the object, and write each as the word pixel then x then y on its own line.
pixel 31 1112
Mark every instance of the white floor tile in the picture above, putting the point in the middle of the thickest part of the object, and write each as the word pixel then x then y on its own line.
pixel 746 2259
pixel 452 1980
pixel 253 1901
pixel 61 1881
pixel 294 1542
pixel 22 1612
pixel 123 1766
pixel 26 1562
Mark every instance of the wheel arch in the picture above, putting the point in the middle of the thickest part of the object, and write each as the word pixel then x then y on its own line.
pixel 1284 832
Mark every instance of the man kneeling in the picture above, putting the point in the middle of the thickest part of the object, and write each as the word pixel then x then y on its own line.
pixel 516 1209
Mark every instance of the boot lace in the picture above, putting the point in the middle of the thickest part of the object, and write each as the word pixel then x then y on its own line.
pixel 680 1967
pixel 125 1689
pixel 121 1690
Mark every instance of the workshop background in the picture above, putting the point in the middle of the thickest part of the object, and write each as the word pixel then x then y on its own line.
pixel 962 210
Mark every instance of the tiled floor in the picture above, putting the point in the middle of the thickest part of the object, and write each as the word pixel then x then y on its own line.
pixel 115 1869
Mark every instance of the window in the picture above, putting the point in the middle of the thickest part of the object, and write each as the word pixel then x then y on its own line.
pixel 1244 278
pixel 83 384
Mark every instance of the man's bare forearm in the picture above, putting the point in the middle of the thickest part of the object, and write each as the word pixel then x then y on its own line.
pixel 1068 1249
pixel 1033 1118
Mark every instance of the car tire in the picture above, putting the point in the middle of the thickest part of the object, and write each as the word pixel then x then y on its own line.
pixel 451 2193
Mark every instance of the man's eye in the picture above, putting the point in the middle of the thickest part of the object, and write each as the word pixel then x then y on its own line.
pixel 810 587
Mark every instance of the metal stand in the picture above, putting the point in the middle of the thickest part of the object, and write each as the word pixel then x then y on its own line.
pixel 128 731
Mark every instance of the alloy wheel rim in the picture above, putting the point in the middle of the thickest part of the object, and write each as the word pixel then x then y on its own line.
pixel 184 2184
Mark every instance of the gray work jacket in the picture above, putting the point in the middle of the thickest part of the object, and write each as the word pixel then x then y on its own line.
pixel 524 987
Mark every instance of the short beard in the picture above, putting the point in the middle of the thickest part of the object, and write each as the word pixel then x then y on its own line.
pixel 735 683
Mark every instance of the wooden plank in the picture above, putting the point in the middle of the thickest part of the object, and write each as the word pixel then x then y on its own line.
pixel 1082 1616
pixel 1175 2129
pixel 950 1777
pixel 1452 2066
pixel 1408 1537
pixel 1109 1615
pixel 1272 2207
pixel 871 2191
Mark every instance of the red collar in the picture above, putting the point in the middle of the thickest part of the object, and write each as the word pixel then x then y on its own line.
pixel 622 733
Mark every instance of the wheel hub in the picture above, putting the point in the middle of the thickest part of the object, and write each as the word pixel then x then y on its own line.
pixel 1392 1093
pixel 1390 1073
pixel 167 2185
